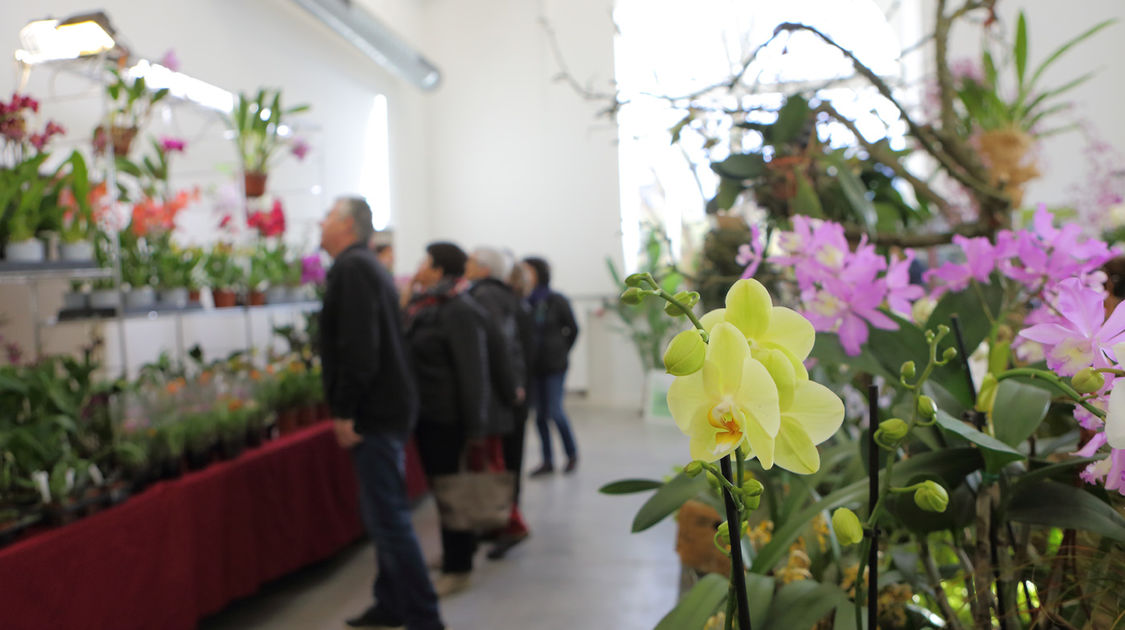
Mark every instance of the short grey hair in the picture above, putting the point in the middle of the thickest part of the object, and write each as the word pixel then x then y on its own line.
pixel 498 263
pixel 360 212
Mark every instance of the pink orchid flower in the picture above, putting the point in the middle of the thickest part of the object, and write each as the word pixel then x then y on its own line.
pixel 1082 337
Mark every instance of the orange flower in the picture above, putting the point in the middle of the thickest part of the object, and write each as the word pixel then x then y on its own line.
pixel 234 404
pixel 255 375
pixel 205 377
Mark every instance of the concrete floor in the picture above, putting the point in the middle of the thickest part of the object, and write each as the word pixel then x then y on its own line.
pixel 581 568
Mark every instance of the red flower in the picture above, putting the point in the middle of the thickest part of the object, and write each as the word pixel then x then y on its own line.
pixel 270 223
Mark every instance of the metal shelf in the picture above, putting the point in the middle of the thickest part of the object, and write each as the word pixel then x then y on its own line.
pixel 172 313
pixel 23 273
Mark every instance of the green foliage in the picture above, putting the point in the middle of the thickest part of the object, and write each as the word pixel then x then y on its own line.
pixel 30 198
pixel 176 267
pixel 130 99
pixel 646 324
pixel 257 119
pixel 222 269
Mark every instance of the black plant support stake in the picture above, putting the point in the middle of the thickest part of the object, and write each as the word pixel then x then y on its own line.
pixel 872 499
pixel 976 417
pixel 734 523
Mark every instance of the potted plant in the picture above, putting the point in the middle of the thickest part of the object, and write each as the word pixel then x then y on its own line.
pixel 137 270
pixel 78 298
pixel 130 106
pixel 76 201
pixel 174 270
pixel 258 279
pixel 258 124
pixel 199 432
pixel 224 275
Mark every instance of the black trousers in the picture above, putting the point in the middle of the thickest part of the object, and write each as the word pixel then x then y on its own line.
pixel 439 448
pixel 513 447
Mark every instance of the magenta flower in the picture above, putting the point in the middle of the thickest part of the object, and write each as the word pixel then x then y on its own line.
pixel 170 60
pixel 312 271
pixel 1082 336
pixel 847 309
pixel 300 148
pixel 980 260
pixel 168 143
pixel 900 293
pixel 751 255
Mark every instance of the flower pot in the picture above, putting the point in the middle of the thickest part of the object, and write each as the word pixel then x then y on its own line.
pixel 140 298
pixel 105 299
pixel 224 298
pixel 1007 154
pixel 256 298
pixel 277 295
pixel 76 301
pixel 287 421
pixel 193 296
pixel 299 294
pixel 31 250
pixel 122 138
pixel 174 298
pixel 255 184
pixel 78 251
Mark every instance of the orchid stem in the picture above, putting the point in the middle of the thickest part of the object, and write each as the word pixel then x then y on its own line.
pixel 1054 380
pixel 734 527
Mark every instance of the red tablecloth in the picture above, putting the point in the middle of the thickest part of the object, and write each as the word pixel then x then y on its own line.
pixel 185 548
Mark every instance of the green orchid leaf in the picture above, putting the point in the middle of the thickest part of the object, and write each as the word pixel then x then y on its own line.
pixel 791 120
pixel 803 603
pixel 1020 50
pixel 741 166
pixel 806 202
pixel 668 499
pixel 1061 50
pixel 1018 410
pixel 855 192
pixel 759 594
pixel 1053 504
pixel 700 603
pixel 996 453
pixel 953 463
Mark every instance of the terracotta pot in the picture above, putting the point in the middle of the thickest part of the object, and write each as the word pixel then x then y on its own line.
pixel 193 296
pixel 121 137
pixel 224 298
pixel 255 184
pixel 256 298
pixel 287 420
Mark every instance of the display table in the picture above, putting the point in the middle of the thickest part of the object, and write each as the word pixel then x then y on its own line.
pixel 185 548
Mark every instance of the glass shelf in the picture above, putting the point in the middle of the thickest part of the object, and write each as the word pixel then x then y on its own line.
pixel 172 313
pixel 21 273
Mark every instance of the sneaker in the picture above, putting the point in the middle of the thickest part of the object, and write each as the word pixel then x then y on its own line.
pixel 505 544
pixel 375 619
pixel 545 469
pixel 448 584
pixel 571 465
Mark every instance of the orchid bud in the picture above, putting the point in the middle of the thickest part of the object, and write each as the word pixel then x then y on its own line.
pixel 927 409
pixel 636 280
pixel 752 487
pixel 632 296
pixel 931 497
pixel 929 335
pixel 687 298
pixel 949 354
pixel 986 397
pixel 751 501
pixel 1087 381
pixel 685 353
pixel 693 468
pixel 908 370
pixel 891 432
pixel 722 533
pixel 846 524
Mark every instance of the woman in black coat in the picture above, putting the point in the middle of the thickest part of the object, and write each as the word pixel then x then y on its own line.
pixel 555 332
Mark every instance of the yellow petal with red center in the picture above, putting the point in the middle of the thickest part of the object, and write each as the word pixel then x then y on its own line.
pixel 749 307
pixel 794 450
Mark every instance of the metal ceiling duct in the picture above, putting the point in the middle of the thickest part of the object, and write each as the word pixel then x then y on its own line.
pixel 371 36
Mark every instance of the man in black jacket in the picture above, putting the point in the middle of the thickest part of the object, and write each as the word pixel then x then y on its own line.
pixel 374 401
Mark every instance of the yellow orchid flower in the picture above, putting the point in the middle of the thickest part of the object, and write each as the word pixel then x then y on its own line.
pixel 731 401
pixel 768 329
pixel 810 414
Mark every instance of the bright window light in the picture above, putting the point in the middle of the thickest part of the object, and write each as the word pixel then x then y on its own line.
pixel 375 173
pixel 182 86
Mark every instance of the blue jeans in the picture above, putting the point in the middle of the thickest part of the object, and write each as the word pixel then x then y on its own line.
pixel 402 586
pixel 548 406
